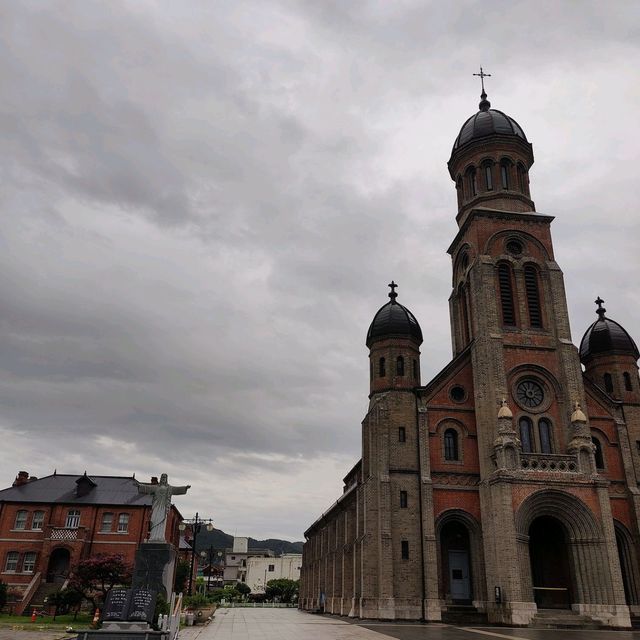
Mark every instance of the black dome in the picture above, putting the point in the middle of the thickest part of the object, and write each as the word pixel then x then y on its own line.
pixel 393 321
pixel 487 122
pixel 606 336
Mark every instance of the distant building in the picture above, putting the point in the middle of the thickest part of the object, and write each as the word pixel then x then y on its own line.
pixel 235 563
pixel 261 570
pixel 50 524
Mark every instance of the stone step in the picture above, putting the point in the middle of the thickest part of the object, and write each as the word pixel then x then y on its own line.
pixel 563 619
pixel 461 614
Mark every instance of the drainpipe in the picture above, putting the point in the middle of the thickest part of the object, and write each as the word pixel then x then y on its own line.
pixel 424 587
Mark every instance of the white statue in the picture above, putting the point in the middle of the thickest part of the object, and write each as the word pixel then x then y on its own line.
pixel 161 504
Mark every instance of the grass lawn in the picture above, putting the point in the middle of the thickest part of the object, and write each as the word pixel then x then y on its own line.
pixel 83 620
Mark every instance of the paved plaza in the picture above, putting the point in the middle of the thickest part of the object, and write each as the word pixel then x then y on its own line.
pixel 291 624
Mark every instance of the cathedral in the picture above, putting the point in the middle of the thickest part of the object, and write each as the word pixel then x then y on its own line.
pixel 507 486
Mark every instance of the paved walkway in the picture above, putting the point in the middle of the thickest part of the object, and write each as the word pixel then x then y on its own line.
pixel 291 624
pixel 28 631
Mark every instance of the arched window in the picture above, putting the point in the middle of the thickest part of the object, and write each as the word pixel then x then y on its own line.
pixel 488 176
pixel 399 366
pixel 460 190
pixel 504 173
pixel 472 184
pixel 522 179
pixel 533 295
pixel 382 368
pixel 544 431
pixel 415 369
pixel 526 435
pixel 450 444
pixel 598 453
pixel 506 295
pixel 608 383
pixel 627 381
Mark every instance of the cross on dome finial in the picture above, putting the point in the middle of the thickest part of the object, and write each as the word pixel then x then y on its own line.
pixel 393 295
pixel 600 310
pixel 484 103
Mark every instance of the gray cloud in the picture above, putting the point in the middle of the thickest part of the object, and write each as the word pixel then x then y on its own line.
pixel 202 205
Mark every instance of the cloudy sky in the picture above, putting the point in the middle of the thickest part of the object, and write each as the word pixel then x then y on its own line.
pixel 202 204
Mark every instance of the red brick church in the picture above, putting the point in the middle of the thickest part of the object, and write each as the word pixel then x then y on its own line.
pixel 507 485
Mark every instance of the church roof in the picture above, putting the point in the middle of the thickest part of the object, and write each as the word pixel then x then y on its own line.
pixel 487 122
pixel 393 320
pixel 606 336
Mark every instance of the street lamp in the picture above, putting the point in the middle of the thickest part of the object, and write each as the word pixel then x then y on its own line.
pixel 203 554
pixel 195 524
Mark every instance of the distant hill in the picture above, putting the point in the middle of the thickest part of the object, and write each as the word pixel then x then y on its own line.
pixel 220 540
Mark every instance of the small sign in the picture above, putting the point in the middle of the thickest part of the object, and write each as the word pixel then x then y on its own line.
pixel 142 606
pixel 117 604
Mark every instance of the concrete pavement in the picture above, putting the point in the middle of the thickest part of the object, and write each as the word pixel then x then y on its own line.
pixel 291 624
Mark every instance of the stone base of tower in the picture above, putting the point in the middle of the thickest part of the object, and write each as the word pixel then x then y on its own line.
pixel 611 615
pixel 518 614
pixel 390 608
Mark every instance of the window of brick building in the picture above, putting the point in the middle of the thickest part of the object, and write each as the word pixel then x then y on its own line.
pixel 506 295
pixel 403 500
pixel 29 562
pixel 488 177
pixel 627 381
pixel 404 549
pixel 450 444
pixel 533 296
pixel 415 369
pixel 37 522
pixel 598 453
pixel 400 366
pixel 107 522
pixel 402 434
pixel 382 368
pixel 73 519
pixel 526 435
pixel 123 523
pixel 21 520
pixel 11 563
pixel 544 431
pixel 608 383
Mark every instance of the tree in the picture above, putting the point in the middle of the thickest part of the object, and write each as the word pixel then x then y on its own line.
pixel 243 588
pixel 3 594
pixel 96 576
pixel 65 600
pixel 283 589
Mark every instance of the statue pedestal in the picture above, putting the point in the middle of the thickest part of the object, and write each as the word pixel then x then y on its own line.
pixel 155 568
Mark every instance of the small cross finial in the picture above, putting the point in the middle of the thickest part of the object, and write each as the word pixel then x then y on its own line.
pixel 393 295
pixel 484 103
pixel 600 310
pixel 482 75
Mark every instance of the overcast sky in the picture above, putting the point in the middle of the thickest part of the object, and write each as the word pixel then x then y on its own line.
pixel 203 202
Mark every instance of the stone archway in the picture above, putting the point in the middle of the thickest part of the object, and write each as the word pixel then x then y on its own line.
pixel 58 567
pixel 460 565
pixel 587 573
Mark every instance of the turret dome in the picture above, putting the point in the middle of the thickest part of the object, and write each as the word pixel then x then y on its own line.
pixel 606 336
pixel 487 122
pixel 393 320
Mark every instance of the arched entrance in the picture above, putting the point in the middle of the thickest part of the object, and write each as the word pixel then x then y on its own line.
pixel 550 573
pixel 576 540
pixel 456 562
pixel 58 568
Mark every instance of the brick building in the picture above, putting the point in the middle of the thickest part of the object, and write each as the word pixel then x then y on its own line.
pixel 47 525
pixel 508 484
